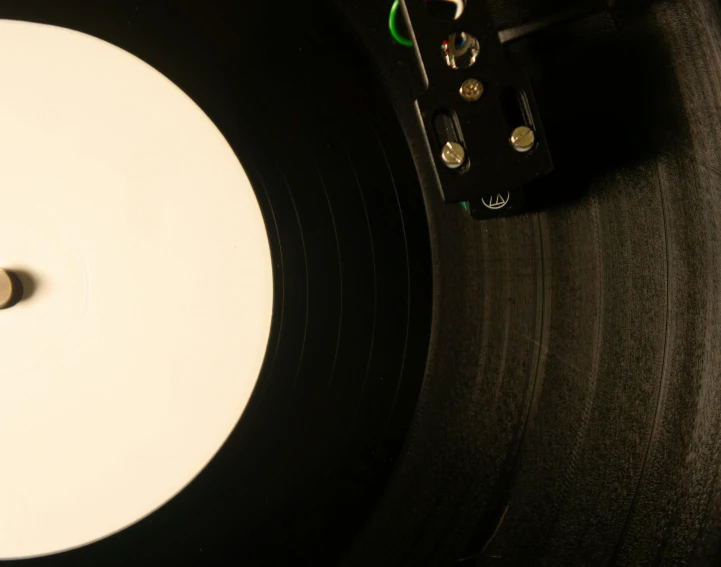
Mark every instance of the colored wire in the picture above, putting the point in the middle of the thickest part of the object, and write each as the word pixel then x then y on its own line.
pixel 394 29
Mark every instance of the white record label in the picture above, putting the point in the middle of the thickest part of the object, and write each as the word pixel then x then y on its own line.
pixel 148 289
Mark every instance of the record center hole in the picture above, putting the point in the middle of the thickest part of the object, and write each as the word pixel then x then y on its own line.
pixel 445 9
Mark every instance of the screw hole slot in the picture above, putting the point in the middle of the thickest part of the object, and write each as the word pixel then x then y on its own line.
pixel 516 108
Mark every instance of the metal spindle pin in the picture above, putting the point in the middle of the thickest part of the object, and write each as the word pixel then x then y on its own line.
pixel 7 290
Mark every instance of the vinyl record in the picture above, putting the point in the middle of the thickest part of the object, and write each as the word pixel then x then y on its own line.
pixel 539 389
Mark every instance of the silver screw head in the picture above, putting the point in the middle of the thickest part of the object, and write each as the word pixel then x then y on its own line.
pixel 471 90
pixel 453 155
pixel 523 139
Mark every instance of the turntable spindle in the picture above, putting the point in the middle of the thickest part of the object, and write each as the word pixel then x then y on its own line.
pixel 7 290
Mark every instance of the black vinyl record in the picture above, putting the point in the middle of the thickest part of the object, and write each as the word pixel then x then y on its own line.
pixel 541 389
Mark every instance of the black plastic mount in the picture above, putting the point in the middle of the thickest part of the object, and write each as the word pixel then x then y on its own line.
pixel 492 167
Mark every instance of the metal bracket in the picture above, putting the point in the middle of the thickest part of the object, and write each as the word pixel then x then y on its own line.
pixel 481 132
